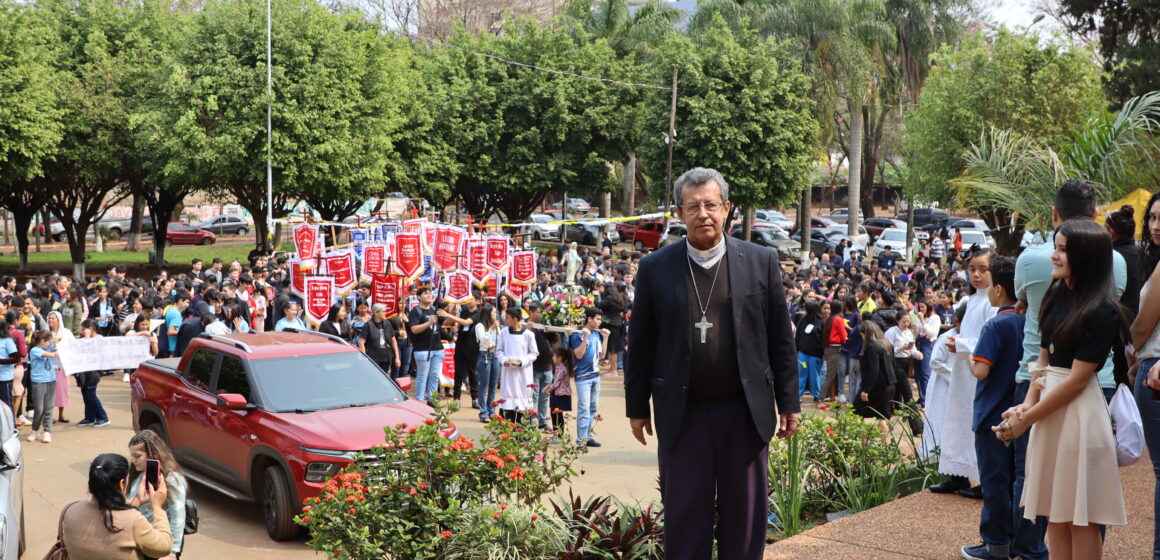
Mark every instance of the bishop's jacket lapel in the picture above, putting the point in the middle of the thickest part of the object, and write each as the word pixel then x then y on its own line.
pixel 679 277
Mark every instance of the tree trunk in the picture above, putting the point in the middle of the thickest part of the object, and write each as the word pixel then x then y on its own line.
pixel 804 222
pixel 134 242
pixel 277 239
pixel 22 221
pixel 747 223
pixel 605 204
pixel 855 183
pixel 630 185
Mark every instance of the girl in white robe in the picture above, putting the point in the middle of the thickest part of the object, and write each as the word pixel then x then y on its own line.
pixel 937 388
pixel 516 350
pixel 956 440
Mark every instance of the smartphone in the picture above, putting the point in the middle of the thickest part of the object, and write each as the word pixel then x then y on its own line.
pixel 152 471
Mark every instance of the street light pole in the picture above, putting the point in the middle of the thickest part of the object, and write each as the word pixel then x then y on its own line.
pixel 269 128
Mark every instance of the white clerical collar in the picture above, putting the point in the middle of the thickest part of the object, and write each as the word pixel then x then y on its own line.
pixel 709 257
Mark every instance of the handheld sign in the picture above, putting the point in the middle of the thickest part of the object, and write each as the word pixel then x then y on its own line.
pixel 523 268
pixel 408 255
pixel 319 295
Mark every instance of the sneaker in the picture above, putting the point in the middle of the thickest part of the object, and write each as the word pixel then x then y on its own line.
pixel 31 437
pixel 100 423
pixel 984 552
pixel 475 404
pixel 125 378
pixel 20 421
pixel 555 441
pixel 86 423
pixel 47 437
pixel 593 443
pixel 29 414
pixel 63 420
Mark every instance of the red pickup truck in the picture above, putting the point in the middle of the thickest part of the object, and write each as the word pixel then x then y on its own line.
pixel 270 417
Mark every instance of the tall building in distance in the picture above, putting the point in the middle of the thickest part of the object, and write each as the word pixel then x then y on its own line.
pixel 438 18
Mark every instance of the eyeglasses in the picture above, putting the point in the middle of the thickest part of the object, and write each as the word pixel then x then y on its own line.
pixel 710 207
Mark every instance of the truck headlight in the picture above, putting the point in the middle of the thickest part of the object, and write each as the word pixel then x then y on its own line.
pixel 320 472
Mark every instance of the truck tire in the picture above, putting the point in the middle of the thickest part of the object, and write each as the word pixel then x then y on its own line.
pixel 114 233
pixel 157 429
pixel 276 505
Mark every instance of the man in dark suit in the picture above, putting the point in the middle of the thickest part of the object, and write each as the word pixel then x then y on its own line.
pixel 714 353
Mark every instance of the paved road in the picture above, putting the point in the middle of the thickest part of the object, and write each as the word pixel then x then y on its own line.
pixel 57 474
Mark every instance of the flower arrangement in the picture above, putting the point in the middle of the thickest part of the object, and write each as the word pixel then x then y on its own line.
pixel 407 498
pixel 566 308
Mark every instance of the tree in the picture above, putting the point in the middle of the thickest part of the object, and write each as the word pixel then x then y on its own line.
pixel 1129 40
pixel 1005 81
pixel 1006 169
pixel 743 108
pixel 29 110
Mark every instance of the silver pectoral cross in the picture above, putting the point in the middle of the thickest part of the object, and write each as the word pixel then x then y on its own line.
pixel 704 325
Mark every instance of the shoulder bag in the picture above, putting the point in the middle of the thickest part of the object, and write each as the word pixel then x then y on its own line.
pixel 58 551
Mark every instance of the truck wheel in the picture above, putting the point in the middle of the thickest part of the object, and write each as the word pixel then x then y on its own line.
pixel 638 245
pixel 276 506
pixel 243 231
pixel 157 429
pixel 114 233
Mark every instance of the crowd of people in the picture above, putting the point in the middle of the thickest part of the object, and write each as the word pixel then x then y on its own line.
pixel 1010 358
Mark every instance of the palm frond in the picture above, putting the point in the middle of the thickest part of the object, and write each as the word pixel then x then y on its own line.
pixel 1099 152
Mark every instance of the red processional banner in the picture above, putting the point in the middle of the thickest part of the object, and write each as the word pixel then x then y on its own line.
pixel 429 231
pixel 387 291
pixel 449 243
pixel 298 272
pixel 523 267
pixel 497 253
pixel 517 291
pixel 408 255
pixel 318 298
pixel 457 287
pixel 341 266
pixel 477 262
pixel 375 254
pixel 305 240
pixel 414 224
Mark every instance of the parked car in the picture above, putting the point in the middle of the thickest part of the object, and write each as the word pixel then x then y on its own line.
pixel 816 222
pixel 677 233
pixel 874 226
pixel 642 235
pixel 575 206
pixel 588 232
pixel 838 236
pixel 773 237
pixel 1031 238
pixel 924 216
pixel 862 237
pixel 819 242
pixel 773 217
pixel 11 487
pixel 247 415
pixel 116 228
pixel 839 216
pixel 188 234
pixel 228 223
pixel 971 237
pixel 55 228
pixel 894 240
pixel 540 229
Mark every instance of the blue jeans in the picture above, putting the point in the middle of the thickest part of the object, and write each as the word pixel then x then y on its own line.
pixel 1150 414
pixel 1028 542
pixel 587 399
pixel 430 364
pixel 997 474
pixel 809 374
pixel 94 411
pixel 487 370
pixel 405 355
pixel 922 368
pixel 543 379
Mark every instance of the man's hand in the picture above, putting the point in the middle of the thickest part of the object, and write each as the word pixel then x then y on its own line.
pixel 787 424
pixel 639 427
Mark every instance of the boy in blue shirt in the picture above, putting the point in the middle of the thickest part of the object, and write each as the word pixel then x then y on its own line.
pixel 42 393
pixel 994 363
pixel 9 357
pixel 588 348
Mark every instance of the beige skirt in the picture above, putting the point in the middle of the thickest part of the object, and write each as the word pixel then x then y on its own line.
pixel 1072 475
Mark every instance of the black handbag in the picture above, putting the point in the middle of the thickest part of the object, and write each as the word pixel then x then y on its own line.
pixel 190 517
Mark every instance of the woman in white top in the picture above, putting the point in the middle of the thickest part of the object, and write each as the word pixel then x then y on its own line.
pixel 516 350
pixel 927 326
pixel 486 365
pixel 901 339
pixel 59 335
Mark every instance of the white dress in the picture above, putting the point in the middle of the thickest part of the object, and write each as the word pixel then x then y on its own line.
pixel 514 381
pixel 956 438
pixel 936 394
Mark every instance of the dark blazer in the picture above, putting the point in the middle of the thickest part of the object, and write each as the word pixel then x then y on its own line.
pixel 660 340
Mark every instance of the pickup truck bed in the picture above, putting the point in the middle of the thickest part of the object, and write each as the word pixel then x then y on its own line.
pixel 164 365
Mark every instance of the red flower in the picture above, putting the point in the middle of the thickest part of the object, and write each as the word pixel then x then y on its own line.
pixel 422 485
pixel 414 491
pixel 503 506
pixel 411 430
pixel 830 430
pixel 496 515
pixel 505 436
pixel 430 421
pixel 535 517
pixel 306 519
pixel 350 498
pixel 445 534
pixel 516 474
pixel 352 511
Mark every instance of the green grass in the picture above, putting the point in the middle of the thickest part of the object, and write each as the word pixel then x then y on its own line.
pixel 174 256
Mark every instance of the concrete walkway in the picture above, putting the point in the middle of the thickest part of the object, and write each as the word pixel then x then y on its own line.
pixel 936 526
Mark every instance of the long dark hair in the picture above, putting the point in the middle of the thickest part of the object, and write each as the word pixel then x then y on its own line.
pixel 812 309
pixel 829 324
pixel 1089 256
pixel 485 316
pixel 1149 250
pixel 106 472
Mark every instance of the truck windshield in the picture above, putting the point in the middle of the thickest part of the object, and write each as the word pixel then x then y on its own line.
pixel 323 382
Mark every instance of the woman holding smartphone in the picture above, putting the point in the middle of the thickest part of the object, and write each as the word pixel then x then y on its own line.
pixel 1072 475
pixel 147 447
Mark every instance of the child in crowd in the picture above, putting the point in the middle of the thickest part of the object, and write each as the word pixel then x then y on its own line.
pixel 994 363
pixel 87 381
pixel 938 385
pixel 560 390
pixel 43 391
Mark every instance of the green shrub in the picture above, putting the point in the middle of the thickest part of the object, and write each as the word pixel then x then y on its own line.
pixel 505 532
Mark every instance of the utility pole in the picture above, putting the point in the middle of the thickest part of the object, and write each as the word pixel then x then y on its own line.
pixel 670 139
